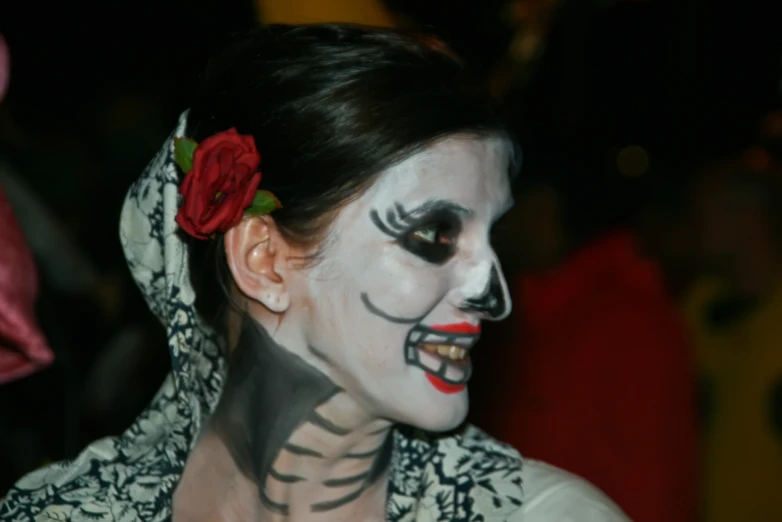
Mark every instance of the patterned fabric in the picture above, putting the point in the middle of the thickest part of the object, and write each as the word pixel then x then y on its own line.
pixel 466 477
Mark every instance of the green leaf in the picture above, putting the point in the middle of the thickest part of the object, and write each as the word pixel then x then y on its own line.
pixel 263 203
pixel 183 153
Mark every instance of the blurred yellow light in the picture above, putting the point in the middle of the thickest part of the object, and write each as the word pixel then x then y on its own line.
pixel 367 12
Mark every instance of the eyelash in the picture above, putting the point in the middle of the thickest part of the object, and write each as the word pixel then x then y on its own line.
pixel 435 228
pixel 434 242
pixel 431 237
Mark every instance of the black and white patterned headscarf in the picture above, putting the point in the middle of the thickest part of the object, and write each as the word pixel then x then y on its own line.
pixel 463 478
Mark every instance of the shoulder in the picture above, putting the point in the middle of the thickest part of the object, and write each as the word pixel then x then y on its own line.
pixel 461 477
pixel 554 495
pixel 497 484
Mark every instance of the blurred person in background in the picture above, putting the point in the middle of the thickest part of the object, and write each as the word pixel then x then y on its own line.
pixel 74 150
pixel 595 370
pixel 735 316
pixel 593 367
pixel 23 347
pixel 57 309
pixel 664 223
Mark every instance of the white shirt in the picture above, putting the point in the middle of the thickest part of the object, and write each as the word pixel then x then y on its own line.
pixel 554 495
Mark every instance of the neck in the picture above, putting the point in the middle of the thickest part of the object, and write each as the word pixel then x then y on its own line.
pixel 289 441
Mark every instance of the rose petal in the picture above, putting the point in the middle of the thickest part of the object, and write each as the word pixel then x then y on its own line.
pixel 221 184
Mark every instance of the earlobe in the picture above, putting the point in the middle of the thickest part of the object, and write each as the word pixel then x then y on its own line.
pixel 252 251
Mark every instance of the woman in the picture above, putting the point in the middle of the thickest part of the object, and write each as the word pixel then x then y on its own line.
pixel 316 344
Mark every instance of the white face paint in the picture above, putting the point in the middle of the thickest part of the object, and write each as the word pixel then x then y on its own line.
pixel 407 277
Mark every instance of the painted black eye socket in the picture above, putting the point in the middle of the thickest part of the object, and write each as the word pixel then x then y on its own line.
pixel 430 231
pixel 434 242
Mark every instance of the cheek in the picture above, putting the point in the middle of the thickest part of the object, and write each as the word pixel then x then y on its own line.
pixel 403 289
pixel 380 355
pixel 365 349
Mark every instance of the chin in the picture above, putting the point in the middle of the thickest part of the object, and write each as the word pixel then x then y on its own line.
pixel 445 413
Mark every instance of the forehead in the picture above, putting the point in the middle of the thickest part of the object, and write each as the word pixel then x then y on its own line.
pixel 469 171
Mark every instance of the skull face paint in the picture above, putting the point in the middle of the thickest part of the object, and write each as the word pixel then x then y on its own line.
pixel 406 277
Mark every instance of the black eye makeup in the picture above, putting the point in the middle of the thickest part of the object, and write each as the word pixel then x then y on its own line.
pixel 430 231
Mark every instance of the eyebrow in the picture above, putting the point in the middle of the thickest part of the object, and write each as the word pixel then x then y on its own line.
pixel 434 205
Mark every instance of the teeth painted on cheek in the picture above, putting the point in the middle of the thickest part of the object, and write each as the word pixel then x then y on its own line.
pixel 436 339
pixel 436 365
pixel 431 362
pixel 412 353
pixel 416 336
pixel 454 373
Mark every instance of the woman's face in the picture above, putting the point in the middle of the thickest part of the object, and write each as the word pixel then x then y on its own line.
pixel 395 307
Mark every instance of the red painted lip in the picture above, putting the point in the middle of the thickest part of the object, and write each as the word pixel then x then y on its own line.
pixel 444 387
pixel 458 328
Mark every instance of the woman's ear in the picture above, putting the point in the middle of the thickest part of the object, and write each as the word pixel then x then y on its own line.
pixel 253 249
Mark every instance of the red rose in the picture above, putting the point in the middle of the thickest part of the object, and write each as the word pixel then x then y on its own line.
pixel 221 184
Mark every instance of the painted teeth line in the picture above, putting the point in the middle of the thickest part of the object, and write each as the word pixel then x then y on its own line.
pixel 455 353
pixel 412 353
pixel 442 338
pixel 413 358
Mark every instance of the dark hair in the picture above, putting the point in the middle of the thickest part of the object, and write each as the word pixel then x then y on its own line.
pixel 330 107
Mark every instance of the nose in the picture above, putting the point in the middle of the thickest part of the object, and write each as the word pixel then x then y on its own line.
pixel 493 302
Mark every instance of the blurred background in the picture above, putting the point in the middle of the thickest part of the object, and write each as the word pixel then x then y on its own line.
pixel 645 349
